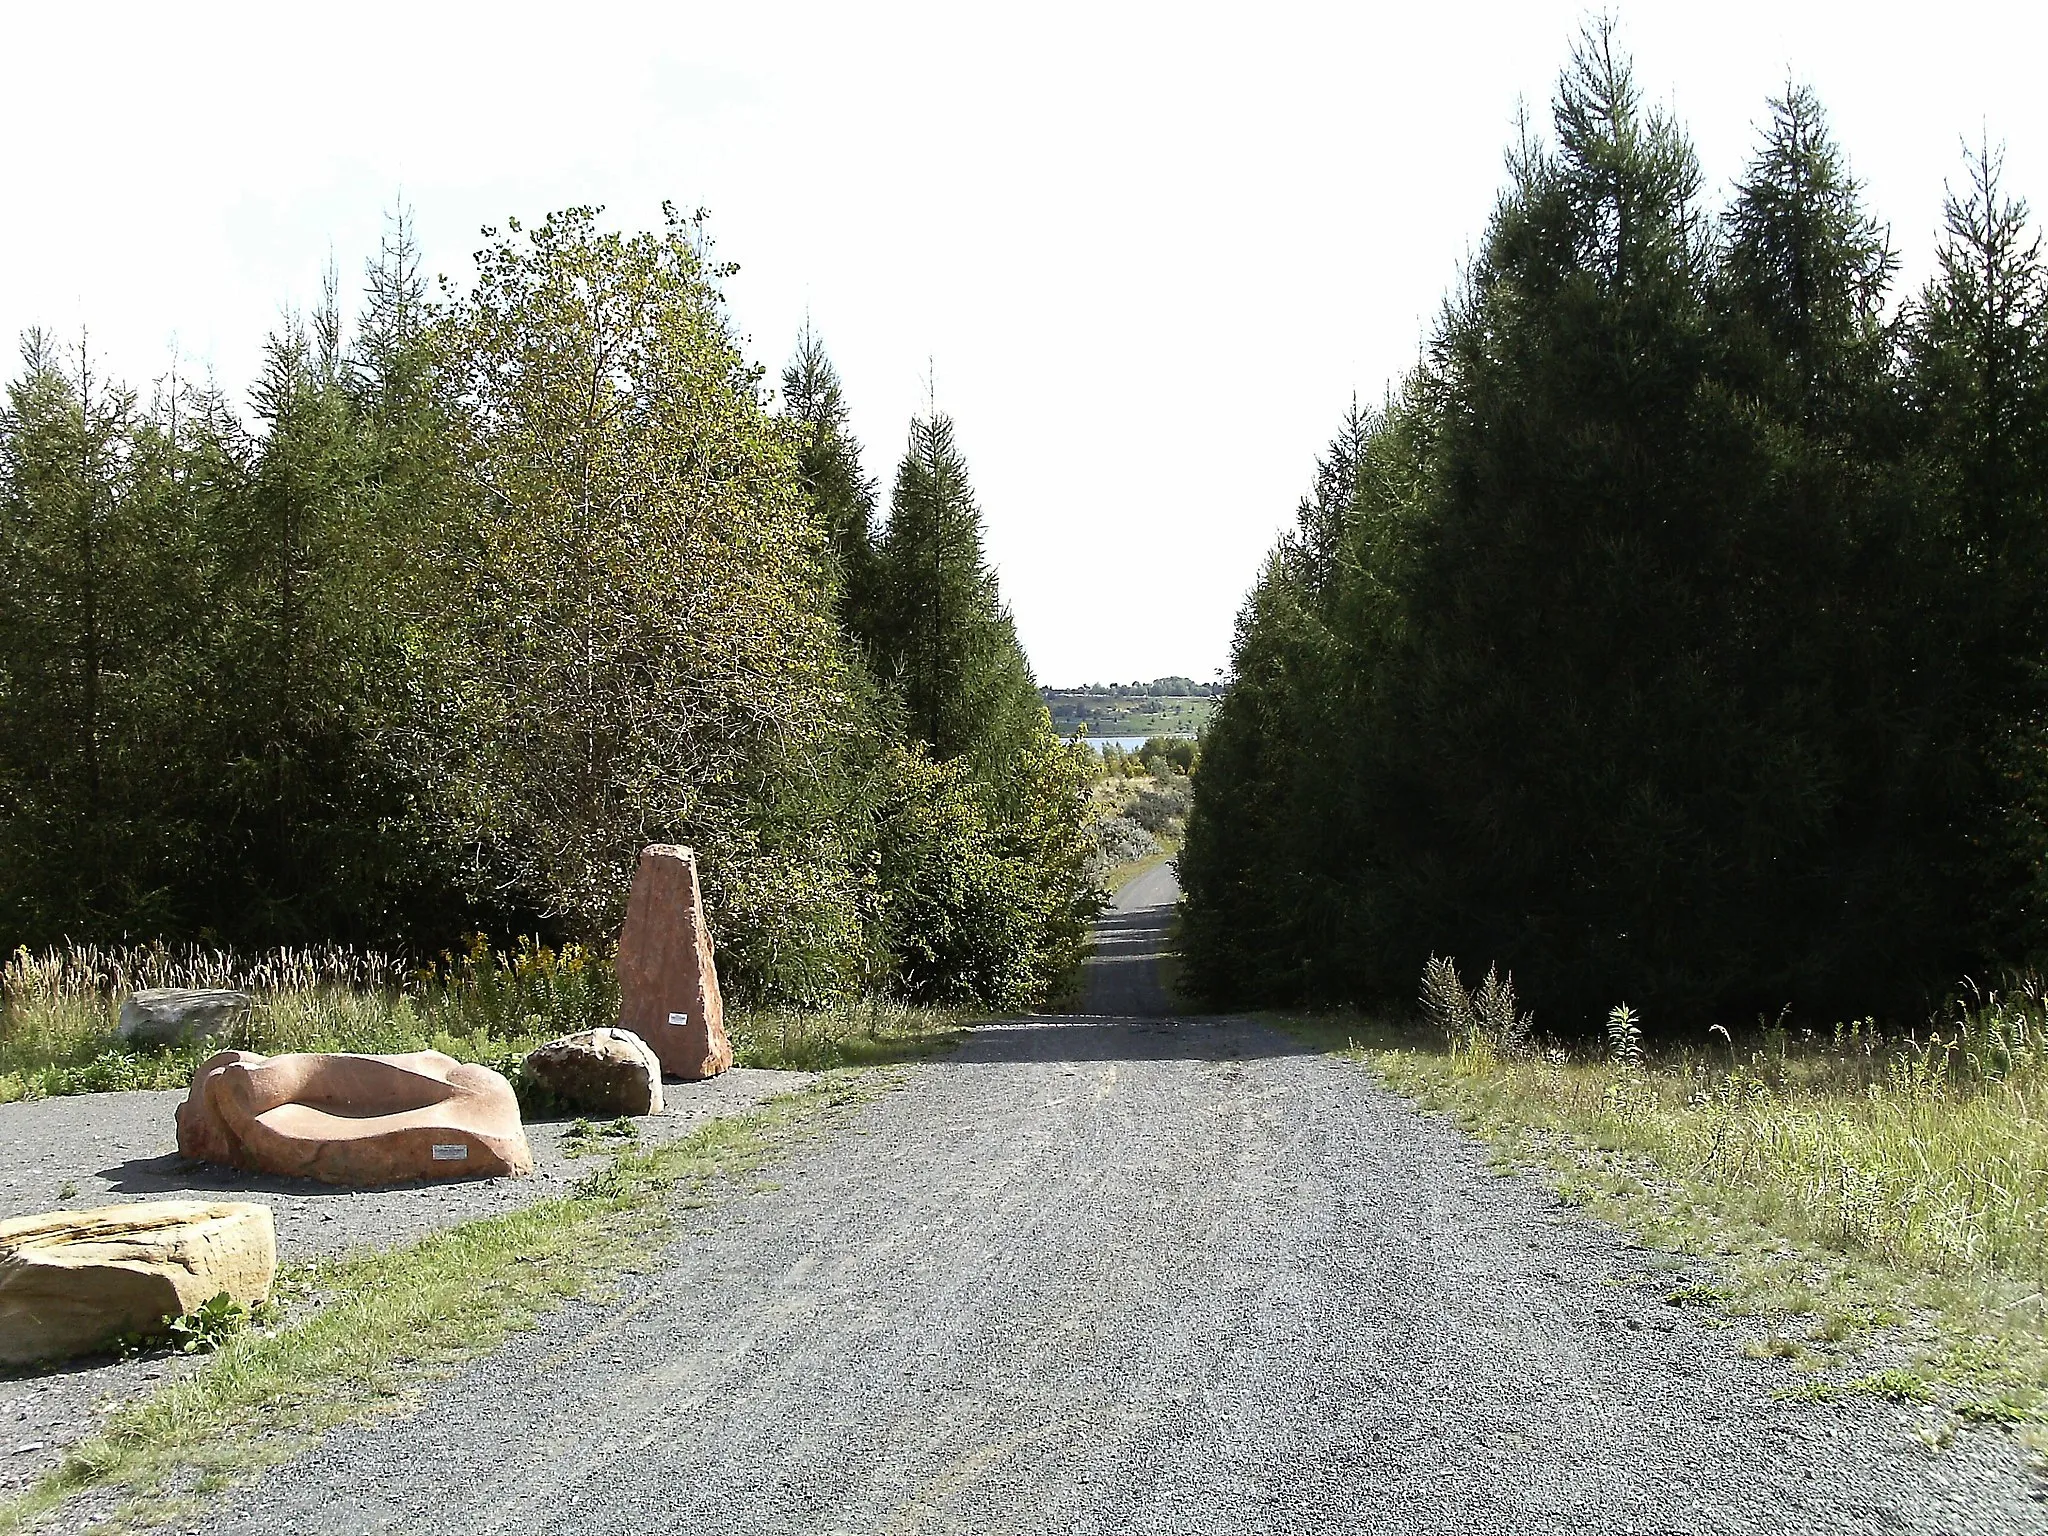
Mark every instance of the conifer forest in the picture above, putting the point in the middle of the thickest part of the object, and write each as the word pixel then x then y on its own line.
pixel 1674 630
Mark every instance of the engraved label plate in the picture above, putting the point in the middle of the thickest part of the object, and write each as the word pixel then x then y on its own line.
pixel 679 1021
pixel 451 1151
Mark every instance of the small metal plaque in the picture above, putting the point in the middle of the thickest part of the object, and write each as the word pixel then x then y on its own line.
pixel 451 1151
pixel 679 1021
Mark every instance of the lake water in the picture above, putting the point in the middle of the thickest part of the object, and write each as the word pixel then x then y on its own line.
pixel 1127 743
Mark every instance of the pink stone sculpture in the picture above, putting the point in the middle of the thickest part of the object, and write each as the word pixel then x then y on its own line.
pixel 346 1119
pixel 668 981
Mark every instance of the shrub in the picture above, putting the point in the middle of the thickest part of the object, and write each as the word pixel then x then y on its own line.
pixel 1119 840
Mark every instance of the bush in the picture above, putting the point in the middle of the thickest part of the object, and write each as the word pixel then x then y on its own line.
pixel 985 892
pixel 1161 806
pixel 1120 840
pixel 1162 755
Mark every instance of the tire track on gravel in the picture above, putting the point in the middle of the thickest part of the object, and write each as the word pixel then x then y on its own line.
pixel 1131 1275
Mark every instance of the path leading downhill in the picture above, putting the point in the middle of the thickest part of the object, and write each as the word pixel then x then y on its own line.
pixel 1130 938
pixel 1131 1274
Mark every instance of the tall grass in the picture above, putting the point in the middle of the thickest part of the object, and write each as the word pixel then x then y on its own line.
pixel 59 1008
pixel 1888 1188
pixel 1924 1151
pixel 866 1033
pixel 58 1012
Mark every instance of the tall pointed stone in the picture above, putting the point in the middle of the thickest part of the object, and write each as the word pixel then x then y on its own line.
pixel 668 982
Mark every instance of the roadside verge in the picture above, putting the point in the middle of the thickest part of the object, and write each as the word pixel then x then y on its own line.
pixel 364 1333
pixel 1851 1306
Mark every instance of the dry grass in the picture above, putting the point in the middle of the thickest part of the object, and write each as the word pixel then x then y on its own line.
pixel 58 1011
pixel 1865 1192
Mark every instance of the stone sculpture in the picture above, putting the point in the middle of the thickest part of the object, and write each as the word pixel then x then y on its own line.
pixel 73 1281
pixel 345 1119
pixel 668 981
pixel 174 1015
pixel 600 1071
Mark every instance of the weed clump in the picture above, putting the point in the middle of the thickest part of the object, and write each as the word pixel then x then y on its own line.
pixel 1488 1018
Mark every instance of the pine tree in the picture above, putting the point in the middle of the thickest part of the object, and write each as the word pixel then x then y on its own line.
pixel 948 649
pixel 1584 652
pixel 1564 618
pixel 841 492
pixel 1977 343
pixel 79 536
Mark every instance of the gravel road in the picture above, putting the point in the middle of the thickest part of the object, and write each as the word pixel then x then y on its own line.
pixel 1123 972
pixel 92 1149
pixel 1133 1275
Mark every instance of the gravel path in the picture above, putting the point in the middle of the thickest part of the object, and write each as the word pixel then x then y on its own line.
pixel 1123 972
pixel 112 1148
pixel 1134 1275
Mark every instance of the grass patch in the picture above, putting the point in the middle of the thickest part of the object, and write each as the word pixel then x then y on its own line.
pixel 584 1138
pixel 870 1033
pixel 367 1332
pixel 58 1013
pixel 1869 1203
pixel 58 1009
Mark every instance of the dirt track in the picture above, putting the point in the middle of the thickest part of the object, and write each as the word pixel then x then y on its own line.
pixel 1132 1275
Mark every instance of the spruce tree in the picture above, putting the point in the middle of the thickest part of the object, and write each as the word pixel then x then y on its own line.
pixel 1587 652
pixel 1977 343
pixel 841 492
pixel 93 581
pixel 947 648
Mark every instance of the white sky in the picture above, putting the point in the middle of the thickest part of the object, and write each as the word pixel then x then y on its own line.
pixel 1151 250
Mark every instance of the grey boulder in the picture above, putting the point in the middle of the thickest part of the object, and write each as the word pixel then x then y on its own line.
pixel 175 1015
pixel 600 1071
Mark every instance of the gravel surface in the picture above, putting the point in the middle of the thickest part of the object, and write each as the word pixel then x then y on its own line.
pixel 1132 1275
pixel 1123 972
pixel 111 1148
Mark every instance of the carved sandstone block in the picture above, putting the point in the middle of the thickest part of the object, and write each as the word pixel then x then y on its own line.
pixel 346 1119
pixel 668 981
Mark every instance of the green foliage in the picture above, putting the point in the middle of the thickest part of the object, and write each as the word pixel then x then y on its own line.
pixel 487 596
pixel 640 602
pixel 988 894
pixel 842 494
pixel 584 1139
pixel 1674 629
pixel 58 1009
pixel 487 1005
pixel 1167 756
pixel 1624 1036
pixel 945 644
pixel 205 1329
pixel 208 1326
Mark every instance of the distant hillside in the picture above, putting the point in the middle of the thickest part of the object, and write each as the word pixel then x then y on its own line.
pixel 1166 706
